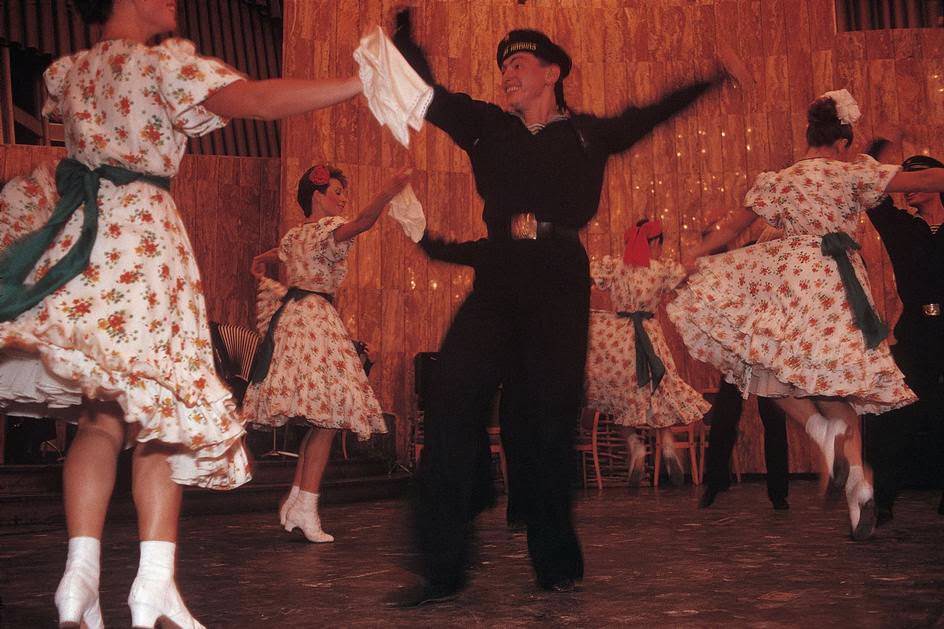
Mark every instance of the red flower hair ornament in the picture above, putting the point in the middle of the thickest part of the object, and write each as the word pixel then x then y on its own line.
pixel 319 175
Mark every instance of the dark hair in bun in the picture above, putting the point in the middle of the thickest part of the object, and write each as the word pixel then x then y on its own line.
pixel 824 126
pixel 317 178
pixel 94 11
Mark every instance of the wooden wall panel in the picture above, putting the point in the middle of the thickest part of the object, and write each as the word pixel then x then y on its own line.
pixel 689 173
pixel 229 206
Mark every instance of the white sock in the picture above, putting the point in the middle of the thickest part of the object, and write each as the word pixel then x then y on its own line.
pixel 293 494
pixel 157 560
pixel 856 475
pixel 816 427
pixel 85 556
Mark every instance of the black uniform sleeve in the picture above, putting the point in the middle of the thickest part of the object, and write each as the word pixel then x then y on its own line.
pixel 883 216
pixel 620 132
pixel 469 253
pixel 411 51
pixel 460 116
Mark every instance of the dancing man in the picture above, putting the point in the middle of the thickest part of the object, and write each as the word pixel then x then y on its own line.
pixel 524 325
pixel 915 245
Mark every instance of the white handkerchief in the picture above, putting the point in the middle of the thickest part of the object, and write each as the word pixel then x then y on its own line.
pixel 406 209
pixel 396 94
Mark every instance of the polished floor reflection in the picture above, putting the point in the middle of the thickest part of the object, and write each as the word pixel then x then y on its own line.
pixel 653 559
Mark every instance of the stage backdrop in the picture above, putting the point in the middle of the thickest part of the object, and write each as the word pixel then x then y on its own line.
pixel 690 172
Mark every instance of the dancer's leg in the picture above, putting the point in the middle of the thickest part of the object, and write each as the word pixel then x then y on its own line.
pixel 88 476
pixel 88 482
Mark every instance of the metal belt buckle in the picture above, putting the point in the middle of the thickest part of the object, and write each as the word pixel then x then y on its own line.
pixel 931 310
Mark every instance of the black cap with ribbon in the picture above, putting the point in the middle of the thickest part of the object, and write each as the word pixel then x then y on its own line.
pixel 541 46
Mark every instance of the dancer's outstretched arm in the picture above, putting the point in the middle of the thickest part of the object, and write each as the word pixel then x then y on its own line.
pixel 369 215
pixel 273 99
pixel 736 222
pixel 928 180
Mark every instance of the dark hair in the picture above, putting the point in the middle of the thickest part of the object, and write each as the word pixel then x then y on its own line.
pixel 94 11
pixel 306 187
pixel 824 126
pixel 660 237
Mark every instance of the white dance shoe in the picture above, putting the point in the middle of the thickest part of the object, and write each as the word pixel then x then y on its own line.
pixel 287 504
pixel 861 500
pixel 158 601
pixel 303 515
pixel 77 595
pixel 828 435
pixel 77 601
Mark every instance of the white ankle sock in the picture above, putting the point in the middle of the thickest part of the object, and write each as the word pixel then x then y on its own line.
pixel 157 560
pixel 856 475
pixel 85 556
pixel 293 494
pixel 816 427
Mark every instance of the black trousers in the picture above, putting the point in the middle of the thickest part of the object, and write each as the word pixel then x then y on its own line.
pixel 908 443
pixel 530 336
pixel 725 417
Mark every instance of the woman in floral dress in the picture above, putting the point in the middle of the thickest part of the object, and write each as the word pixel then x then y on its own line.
pixel 307 368
pixel 792 318
pixel 102 316
pixel 622 381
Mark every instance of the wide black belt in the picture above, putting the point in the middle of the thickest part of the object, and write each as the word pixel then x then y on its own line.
pixel 649 367
pixel 263 357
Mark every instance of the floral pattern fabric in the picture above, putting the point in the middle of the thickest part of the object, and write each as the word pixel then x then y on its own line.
pixel 132 327
pixel 611 385
pixel 773 317
pixel 315 374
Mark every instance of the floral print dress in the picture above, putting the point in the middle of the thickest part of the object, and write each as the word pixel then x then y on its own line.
pixel 132 327
pixel 315 374
pixel 611 385
pixel 774 317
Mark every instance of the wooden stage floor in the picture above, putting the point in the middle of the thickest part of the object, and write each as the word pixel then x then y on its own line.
pixel 652 558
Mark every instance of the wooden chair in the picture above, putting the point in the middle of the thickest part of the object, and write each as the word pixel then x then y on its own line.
pixel 690 443
pixel 587 446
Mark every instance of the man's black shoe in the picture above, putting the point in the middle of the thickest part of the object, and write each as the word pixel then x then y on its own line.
pixel 422 594
pixel 780 504
pixel 708 498
pixel 883 515
pixel 560 585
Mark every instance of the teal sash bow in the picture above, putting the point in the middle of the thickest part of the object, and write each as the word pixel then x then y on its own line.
pixel 649 367
pixel 78 187
pixel 836 245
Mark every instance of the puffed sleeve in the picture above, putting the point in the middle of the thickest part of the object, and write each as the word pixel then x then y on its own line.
pixel 869 179
pixel 766 198
pixel 602 272
pixel 54 77
pixel 317 239
pixel 186 80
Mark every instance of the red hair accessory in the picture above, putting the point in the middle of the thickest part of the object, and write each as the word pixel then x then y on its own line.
pixel 319 175
pixel 637 239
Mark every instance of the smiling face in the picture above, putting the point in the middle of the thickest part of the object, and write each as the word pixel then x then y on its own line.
pixel 525 79
pixel 333 200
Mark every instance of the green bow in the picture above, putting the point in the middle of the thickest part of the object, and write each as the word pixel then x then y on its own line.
pixel 836 245
pixel 78 186
pixel 649 367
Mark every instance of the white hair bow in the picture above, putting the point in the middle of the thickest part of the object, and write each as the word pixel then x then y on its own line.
pixel 847 109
